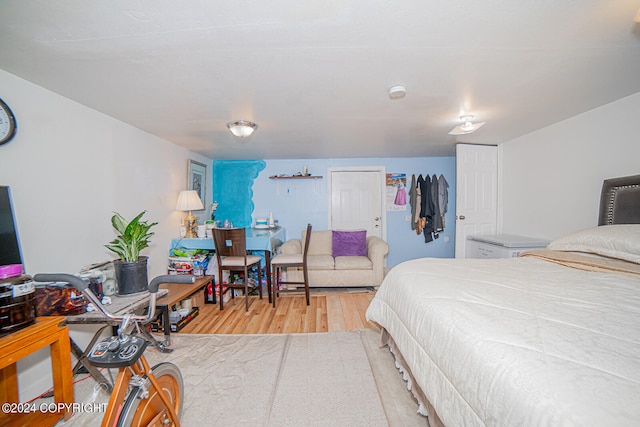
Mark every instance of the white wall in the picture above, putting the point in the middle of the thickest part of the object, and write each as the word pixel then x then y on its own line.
pixel 69 168
pixel 551 178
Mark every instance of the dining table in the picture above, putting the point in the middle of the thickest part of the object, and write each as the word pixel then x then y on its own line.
pixel 266 240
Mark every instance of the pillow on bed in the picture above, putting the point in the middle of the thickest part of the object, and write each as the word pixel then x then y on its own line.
pixel 349 243
pixel 620 241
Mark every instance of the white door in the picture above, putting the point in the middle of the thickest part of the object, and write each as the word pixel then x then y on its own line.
pixel 356 200
pixel 476 192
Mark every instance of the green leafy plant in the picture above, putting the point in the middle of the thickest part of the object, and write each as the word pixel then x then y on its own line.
pixel 134 236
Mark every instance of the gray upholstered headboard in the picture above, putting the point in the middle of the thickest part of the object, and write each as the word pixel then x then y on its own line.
pixel 620 201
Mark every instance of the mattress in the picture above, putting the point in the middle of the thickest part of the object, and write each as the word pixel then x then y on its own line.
pixel 516 342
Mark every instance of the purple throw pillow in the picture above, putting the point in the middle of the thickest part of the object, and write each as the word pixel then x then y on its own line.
pixel 349 243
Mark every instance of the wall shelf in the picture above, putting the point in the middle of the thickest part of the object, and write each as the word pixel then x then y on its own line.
pixel 315 179
pixel 295 177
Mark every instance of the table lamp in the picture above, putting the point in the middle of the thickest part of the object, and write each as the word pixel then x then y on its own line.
pixel 188 200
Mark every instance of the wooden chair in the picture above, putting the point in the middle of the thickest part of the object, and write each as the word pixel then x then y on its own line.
pixel 231 253
pixel 284 261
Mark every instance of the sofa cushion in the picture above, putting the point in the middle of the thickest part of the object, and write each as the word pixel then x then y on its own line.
pixel 320 242
pixel 286 259
pixel 320 262
pixel 349 243
pixel 353 263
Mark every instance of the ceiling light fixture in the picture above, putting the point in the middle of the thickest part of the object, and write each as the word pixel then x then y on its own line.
pixel 242 128
pixel 397 92
pixel 467 126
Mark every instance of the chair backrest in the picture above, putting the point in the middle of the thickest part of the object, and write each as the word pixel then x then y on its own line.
pixel 230 241
pixel 305 248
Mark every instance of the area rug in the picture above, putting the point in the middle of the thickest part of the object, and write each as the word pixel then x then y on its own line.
pixel 320 379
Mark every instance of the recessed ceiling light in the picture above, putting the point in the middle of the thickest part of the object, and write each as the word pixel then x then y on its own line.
pixel 397 92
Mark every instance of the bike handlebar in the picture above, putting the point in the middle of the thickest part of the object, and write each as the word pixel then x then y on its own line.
pixel 83 287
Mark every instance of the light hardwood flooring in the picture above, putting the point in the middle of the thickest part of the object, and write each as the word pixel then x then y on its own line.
pixel 328 311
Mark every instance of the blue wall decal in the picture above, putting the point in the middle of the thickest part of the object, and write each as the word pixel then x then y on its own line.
pixel 233 189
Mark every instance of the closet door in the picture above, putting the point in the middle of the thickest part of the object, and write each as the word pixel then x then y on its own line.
pixel 476 192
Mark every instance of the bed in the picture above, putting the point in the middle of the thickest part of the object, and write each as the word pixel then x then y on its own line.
pixel 551 338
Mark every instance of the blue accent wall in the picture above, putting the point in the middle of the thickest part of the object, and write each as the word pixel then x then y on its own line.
pixel 296 202
pixel 233 182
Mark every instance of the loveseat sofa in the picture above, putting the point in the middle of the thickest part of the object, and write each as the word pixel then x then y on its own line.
pixel 338 267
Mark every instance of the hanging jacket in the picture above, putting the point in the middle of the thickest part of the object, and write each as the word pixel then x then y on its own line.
pixel 443 197
pixel 418 219
pixel 413 200
pixel 427 209
pixel 437 216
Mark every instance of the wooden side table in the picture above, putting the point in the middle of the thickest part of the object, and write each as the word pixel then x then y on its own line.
pixel 179 291
pixel 176 293
pixel 47 331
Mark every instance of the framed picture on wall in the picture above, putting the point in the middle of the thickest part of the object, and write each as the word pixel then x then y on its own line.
pixel 197 178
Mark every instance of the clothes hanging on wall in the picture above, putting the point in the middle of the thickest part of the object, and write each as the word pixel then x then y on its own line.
pixel 428 197
pixel 412 201
pixel 429 210
pixel 437 216
pixel 443 197
pixel 418 219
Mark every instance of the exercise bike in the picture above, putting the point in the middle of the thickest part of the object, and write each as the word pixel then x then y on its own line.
pixel 142 395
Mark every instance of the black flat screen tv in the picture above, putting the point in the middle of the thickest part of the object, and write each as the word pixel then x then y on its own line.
pixel 9 242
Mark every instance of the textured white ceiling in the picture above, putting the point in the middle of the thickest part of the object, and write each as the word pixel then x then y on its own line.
pixel 315 75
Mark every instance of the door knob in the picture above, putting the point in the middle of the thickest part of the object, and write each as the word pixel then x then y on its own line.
pixel 376 219
pixel 461 217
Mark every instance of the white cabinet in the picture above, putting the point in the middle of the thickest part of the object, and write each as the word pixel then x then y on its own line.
pixel 502 246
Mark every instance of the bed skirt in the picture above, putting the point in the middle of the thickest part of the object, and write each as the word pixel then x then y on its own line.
pixel 424 406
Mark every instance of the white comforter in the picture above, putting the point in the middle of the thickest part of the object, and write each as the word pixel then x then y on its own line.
pixel 517 342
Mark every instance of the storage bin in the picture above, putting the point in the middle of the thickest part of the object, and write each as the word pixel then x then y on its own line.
pixel 17 304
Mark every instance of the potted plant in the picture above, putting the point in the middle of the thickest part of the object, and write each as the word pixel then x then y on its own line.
pixel 130 268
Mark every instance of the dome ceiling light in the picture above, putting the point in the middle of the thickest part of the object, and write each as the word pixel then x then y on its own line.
pixel 242 128
pixel 467 126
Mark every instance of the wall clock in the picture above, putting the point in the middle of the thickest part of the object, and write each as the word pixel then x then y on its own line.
pixel 8 125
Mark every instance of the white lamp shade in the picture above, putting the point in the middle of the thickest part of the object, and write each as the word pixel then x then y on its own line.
pixel 188 200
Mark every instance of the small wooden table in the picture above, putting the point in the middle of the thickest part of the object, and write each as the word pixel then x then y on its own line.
pixel 179 291
pixel 46 331
pixel 176 293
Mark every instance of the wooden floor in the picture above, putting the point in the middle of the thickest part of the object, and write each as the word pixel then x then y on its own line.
pixel 326 312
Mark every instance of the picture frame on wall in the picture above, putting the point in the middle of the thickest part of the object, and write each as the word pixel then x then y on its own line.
pixel 197 178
